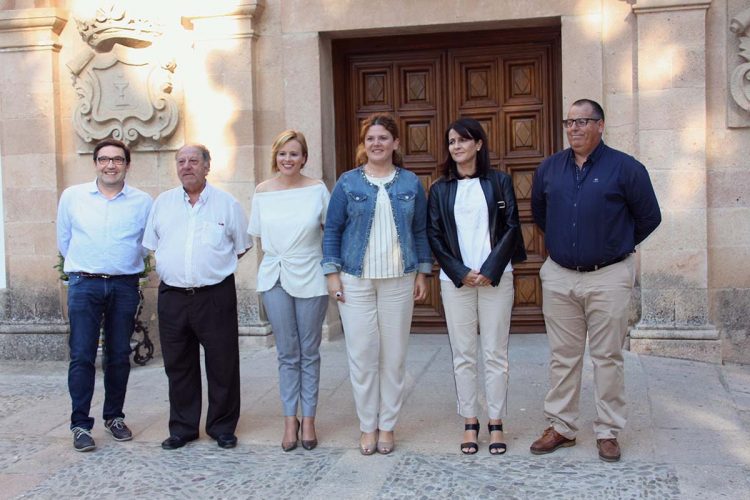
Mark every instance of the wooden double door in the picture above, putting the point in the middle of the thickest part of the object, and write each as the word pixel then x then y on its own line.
pixel 507 80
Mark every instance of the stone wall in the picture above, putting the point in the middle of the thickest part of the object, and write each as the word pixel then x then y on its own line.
pixel 244 70
pixel 728 179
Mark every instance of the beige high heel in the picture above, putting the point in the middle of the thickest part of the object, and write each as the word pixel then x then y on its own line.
pixel 367 448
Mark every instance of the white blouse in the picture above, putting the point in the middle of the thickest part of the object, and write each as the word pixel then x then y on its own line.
pixel 383 254
pixel 289 225
pixel 473 225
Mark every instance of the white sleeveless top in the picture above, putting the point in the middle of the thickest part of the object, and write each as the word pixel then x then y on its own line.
pixel 289 225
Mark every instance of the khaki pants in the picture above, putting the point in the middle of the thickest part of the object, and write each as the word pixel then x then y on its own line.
pixel 377 319
pixel 489 308
pixel 575 303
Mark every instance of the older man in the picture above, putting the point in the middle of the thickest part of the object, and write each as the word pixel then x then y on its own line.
pixel 595 204
pixel 198 233
pixel 99 231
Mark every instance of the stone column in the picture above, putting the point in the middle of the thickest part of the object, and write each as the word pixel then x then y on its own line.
pixel 223 42
pixel 31 321
pixel 672 138
pixel 306 56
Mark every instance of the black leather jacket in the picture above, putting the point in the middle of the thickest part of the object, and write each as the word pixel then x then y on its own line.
pixel 506 239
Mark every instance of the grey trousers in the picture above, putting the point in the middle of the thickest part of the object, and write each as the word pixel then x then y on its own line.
pixel 297 327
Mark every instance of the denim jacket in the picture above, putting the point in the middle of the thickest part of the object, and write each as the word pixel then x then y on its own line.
pixel 350 215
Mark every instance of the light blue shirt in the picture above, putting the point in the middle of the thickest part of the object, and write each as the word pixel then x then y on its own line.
pixel 101 236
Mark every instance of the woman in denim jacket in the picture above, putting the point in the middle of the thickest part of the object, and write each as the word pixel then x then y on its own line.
pixel 375 257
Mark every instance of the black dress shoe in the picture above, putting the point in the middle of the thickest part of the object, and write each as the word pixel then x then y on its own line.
pixel 226 441
pixel 174 442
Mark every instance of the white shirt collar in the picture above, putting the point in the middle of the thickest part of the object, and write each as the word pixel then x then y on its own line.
pixel 93 188
pixel 205 194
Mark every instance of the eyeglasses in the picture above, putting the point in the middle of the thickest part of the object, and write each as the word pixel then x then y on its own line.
pixel 104 160
pixel 581 122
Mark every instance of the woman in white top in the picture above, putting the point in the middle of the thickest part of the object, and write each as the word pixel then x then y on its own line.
pixel 375 256
pixel 287 217
pixel 474 232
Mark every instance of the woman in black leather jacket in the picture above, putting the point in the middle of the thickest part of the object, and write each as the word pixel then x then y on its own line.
pixel 474 232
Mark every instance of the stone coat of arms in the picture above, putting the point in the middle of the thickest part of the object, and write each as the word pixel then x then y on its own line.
pixel 121 92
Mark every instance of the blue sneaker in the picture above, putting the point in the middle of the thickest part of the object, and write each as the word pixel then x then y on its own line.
pixel 118 429
pixel 82 440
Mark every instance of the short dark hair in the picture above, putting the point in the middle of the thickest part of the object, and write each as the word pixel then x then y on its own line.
pixel 468 128
pixel 112 142
pixel 598 110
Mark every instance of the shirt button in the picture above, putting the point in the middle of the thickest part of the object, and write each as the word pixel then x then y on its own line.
pixel 574 244
pixel 575 204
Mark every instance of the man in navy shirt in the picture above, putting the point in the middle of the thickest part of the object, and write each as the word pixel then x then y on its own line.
pixel 594 204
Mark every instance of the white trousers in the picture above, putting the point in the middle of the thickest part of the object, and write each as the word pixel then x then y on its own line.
pixel 377 318
pixel 489 308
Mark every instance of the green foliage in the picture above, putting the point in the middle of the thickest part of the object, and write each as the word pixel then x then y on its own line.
pixel 148 264
pixel 59 266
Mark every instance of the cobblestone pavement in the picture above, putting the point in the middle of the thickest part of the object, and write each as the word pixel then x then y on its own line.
pixel 262 472
pixel 687 437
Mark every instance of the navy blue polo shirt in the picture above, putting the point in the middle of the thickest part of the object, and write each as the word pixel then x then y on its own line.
pixel 594 215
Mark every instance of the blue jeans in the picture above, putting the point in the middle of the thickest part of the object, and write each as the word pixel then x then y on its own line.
pixel 297 328
pixel 89 299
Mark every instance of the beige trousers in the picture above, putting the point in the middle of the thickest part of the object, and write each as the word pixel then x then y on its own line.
pixel 489 308
pixel 377 318
pixel 575 304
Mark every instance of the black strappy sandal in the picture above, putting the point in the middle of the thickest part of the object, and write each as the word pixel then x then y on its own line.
pixel 496 448
pixel 470 447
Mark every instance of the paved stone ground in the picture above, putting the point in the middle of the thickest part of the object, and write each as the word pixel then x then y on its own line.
pixel 688 436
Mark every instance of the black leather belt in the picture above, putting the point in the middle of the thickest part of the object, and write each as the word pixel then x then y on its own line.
pixel 191 290
pixel 104 276
pixel 588 269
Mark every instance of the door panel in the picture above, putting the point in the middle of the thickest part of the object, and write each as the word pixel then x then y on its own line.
pixel 509 83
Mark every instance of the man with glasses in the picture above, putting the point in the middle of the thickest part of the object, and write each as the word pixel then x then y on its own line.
pixel 99 231
pixel 594 204
pixel 198 233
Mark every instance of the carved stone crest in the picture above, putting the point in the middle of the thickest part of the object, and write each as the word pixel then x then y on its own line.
pixel 739 83
pixel 122 92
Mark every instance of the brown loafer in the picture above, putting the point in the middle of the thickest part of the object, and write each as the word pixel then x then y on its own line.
pixel 609 449
pixel 550 441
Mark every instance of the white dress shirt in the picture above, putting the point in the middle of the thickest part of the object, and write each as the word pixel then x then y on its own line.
pixel 472 225
pixel 289 224
pixel 196 245
pixel 102 236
